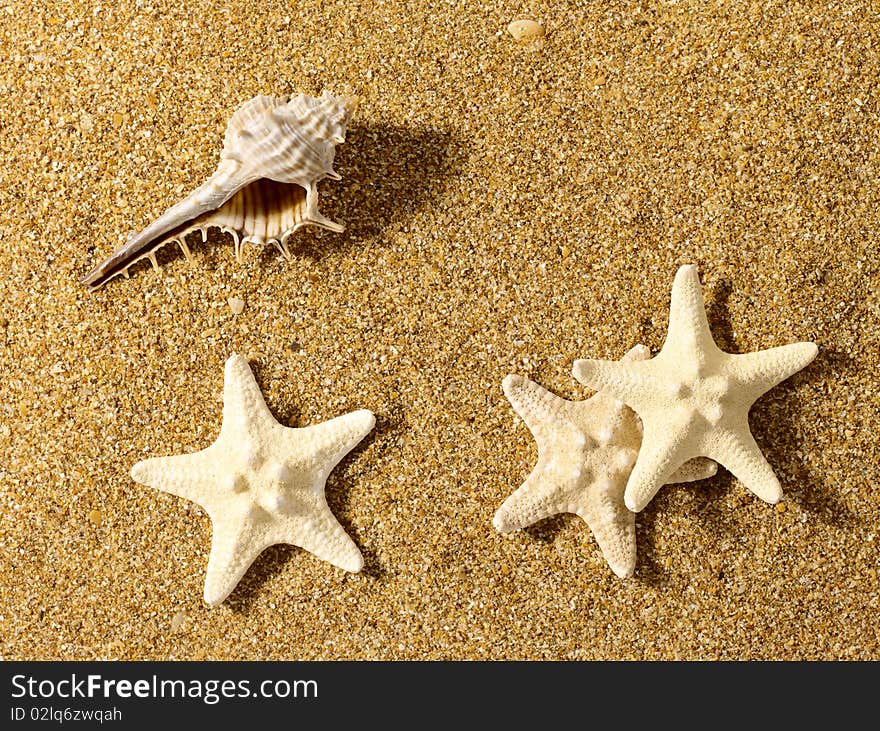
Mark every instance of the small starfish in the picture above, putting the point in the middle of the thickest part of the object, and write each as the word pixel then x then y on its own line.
pixel 694 399
pixel 586 450
pixel 261 483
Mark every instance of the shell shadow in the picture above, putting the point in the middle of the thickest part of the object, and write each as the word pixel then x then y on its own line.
pixel 388 173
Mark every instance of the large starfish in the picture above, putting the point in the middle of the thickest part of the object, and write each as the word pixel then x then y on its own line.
pixel 586 450
pixel 261 483
pixel 694 399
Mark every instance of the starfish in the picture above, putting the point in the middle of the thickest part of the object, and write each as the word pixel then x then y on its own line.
pixel 586 450
pixel 261 483
pixel 694 399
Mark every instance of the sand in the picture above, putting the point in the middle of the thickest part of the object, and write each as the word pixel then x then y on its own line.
pixel 510 207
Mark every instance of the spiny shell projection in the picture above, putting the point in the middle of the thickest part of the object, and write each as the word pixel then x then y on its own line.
pixel 275 152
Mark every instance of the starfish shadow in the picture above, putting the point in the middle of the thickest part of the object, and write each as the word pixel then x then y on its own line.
pixel 338 491
pixel 774 427
pixel 718 314
pixel 389 172
pixel 547 530
pixel 649 571
pixel 705 503
pixel 773 420
pixel 268 564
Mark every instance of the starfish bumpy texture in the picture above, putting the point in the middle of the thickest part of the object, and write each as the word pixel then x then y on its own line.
pixel 261 483
pixel 586 450
pixel 694 399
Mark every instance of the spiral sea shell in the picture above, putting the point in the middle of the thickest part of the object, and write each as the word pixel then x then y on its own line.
pixel 275 152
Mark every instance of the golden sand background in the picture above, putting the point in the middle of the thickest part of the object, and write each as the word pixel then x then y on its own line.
pixel 510 208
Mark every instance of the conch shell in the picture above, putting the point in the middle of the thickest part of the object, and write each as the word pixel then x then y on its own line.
pixel 275 152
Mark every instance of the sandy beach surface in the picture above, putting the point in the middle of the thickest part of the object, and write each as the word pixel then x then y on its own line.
pixel 510 207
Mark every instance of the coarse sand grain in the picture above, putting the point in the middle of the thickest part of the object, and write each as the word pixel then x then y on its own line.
pixel 509 207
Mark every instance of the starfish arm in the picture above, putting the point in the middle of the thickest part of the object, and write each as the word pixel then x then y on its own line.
pixel 233 550
pixel 739 453
pixel 662 452
pixel 184 475
pixel 541 410
pixel 762 370
pixel 620 379
pixel 609 402
pixel 695 469
pixel 243 402
pixel 328 442
pixel 323 536
pixel 537 498
pixel 688 325
pixel 613 526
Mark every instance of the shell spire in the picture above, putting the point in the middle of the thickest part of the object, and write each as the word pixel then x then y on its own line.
pixel 275 152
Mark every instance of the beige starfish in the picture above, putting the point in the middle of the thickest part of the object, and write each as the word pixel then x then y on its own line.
pixel 261 483
pixel 586 450
pixel 694 399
